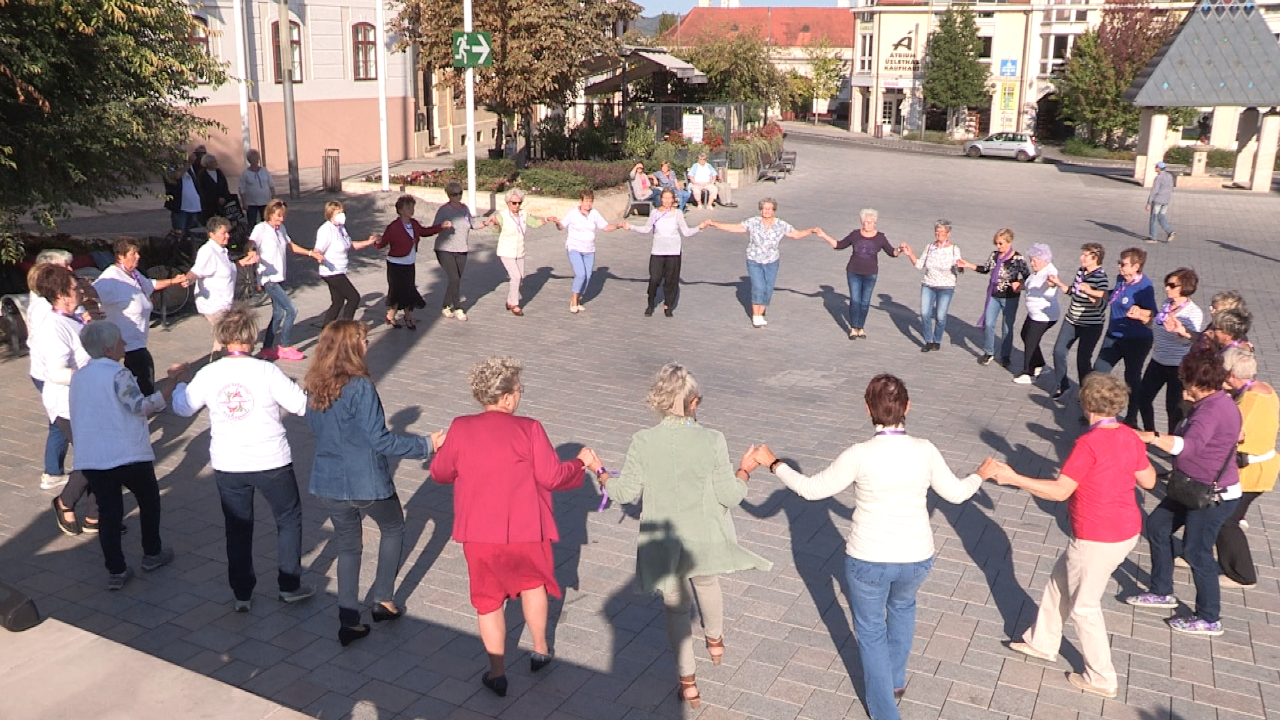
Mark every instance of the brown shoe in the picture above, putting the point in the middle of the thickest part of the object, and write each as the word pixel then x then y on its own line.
pixel 688 683
pixel 715 648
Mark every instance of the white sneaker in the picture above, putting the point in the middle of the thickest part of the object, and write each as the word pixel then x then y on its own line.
pixel 764 320
pixel 1038 371
pixel 1023 379
pixel 757 321
pixel 447 312
pixel 52 482
pixel 1244 524
pixel 459 314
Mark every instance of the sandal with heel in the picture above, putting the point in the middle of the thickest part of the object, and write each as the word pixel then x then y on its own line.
pixel 714 644
pixel 690 683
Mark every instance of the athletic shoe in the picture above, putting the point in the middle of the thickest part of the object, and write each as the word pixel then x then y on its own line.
pixel 985 359
pixel 116 581
pixel 459 314
pixel 159 560
pixel 1151 241
pixel 52 482
pixel 1023 380
pixel 1171 236
pixel 288 353
pixel 267 354
pixel 302 593
pixel 242 606
pixel 1037 371
pixel 1180 561
pixel 926 347
pixel 757 321
pixel 1244 524
pixel 764 320
pixel 1029 651
pixel 937 347
pixel 447 312
pixel 1195 626
pixel 1151 600
pixel 1077 680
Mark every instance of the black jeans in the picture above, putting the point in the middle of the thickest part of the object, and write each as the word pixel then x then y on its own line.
pixel 108 486
pixel 1133 351
pixel 664 270
pixel 279 488
pixel 139 363
pixel 1156 377
pixel 343 298
pixel 453 264
pixel 1032 333
pixel 1088 335
pixel 1234 556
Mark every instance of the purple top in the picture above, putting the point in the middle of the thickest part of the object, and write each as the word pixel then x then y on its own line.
pixel 1209 436
pixel 864 260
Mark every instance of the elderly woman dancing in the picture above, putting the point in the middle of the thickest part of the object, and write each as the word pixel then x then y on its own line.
pixel 687 535
pixel 667 226
pixel 940 263
pixel 1085 316
pixel 582 222
pixel 863 267
pixel 1041 299
pixel 1008 270
pixel 401 239
pixel 1174 329
pixel 1098 481
pixel 125 295
pixel 890 547
pixel 504 469
pixel 513 223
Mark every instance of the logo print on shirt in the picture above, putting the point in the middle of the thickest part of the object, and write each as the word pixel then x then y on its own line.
pixel 236 401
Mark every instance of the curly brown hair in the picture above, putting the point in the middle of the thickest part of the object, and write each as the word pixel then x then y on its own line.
pixel 339 357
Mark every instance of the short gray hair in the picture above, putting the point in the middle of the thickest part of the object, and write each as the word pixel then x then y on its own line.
pixel 514 194
pixel 1041 252
pixel 208 159
pixel 98 337
pixel 944 224
pixel 1241 363
pixel 453 188
pixel 673 387
pixel 251 154
pixel 492 378
pixel 767 201
pixel 54 256
pixel 868 214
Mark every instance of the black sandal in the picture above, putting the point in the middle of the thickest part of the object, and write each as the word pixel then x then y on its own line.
pixel 60 513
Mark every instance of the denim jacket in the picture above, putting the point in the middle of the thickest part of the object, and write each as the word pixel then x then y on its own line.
pixel 353 444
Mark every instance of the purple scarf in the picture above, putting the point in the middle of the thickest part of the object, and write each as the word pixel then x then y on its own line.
pixel 991 286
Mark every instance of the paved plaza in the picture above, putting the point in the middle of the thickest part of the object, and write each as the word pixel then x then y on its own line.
pixel 796 384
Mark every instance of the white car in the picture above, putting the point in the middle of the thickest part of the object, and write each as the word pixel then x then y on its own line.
pixel 1021 146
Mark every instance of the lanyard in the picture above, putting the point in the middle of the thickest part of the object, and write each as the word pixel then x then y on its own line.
pixel 1168 310
pixel 891 431
pixel 1104 421
pixel 237 353
pixel 1115 294
pixel 134 274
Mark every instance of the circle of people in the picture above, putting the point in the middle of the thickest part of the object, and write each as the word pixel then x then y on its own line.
pixel 96 380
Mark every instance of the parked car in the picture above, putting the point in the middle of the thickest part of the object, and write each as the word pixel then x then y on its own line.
pixel 1015 145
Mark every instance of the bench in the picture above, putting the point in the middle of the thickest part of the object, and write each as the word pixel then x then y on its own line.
pixel 641 206
pixel 771 168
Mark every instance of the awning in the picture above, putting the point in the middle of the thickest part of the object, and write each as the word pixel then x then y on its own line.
pixel 644 62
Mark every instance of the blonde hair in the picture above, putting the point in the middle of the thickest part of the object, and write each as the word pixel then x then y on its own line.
pixel 492 378
pixel 237 326
pixel 275 206
pixel 673 387
pixel 331 208
pixel 1005 233
pixel 1103 394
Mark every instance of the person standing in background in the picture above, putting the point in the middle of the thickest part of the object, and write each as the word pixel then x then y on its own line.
pixel 256 187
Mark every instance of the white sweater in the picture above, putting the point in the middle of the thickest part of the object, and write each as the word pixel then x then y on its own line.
pixel 109 416
pixel 57 343
pixel 891 475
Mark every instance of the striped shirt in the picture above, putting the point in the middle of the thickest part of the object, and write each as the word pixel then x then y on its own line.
pixel 1168 349
pixel 1085 310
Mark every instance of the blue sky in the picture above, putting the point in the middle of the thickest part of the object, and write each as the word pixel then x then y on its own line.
pixel 656 7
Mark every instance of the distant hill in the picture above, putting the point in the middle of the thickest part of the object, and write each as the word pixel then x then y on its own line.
pixel 647 26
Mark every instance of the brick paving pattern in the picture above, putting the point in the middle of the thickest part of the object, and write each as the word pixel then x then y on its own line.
pixel 796 384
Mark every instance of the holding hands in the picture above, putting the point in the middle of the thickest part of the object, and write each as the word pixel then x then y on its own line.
pixel 437 439
pixel 591 460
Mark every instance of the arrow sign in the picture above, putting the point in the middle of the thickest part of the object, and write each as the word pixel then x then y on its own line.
pixel 472 49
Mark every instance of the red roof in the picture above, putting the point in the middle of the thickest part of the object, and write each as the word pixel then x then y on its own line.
pixel 781 26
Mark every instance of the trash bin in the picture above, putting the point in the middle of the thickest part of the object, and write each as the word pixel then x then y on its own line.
pixel 331 171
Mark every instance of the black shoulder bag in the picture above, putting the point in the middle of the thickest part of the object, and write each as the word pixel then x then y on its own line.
pixel 1193 494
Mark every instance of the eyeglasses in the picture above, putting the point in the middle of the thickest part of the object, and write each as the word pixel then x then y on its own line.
pixel 517 203
pixel 1172 285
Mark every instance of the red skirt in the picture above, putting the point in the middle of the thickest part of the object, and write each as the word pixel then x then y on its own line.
pixel 499 572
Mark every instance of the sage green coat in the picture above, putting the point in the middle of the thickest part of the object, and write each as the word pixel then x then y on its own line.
pixel 681 472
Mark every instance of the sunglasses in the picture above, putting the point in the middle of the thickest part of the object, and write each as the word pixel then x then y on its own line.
pixel 1172 285
pixel 514 202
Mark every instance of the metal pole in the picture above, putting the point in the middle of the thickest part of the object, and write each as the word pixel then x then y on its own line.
pixel 471 117
pixel 242 79
pixel 285 43
pixel 382 92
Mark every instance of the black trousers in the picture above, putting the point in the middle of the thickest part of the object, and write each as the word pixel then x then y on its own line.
pixel 139 363
pixel 343 298
pixel 1156 377
pixel 664 270
pixel 1133 352
pixel 453 264
pixel 108 487
pixel 1233 547
pixel 1032 333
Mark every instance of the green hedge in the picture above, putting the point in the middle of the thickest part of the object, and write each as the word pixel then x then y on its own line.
pixel 1082 148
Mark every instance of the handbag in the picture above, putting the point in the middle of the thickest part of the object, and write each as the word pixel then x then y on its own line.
pixel 1193 494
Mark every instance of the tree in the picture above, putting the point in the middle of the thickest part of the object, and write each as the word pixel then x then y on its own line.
pixel 826 69
pixel 94 98
pixel 738 68
pixel 666 21
pixel 539 46
pixel 953 77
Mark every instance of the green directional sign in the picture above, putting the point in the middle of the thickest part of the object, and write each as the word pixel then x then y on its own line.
pixel 472 49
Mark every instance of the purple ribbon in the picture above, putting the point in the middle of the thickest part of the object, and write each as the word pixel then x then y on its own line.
pixel 991 286
pixel 604 493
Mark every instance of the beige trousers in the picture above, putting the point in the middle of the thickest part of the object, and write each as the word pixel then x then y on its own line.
pixel 697 189
pixel 214 319
pixel 1075 589
pixel 515 273
pixel 679 631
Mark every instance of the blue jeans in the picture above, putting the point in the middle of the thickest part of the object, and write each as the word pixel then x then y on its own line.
pixel 279 488
pixel 934 304
pixel 860 289
pixel 347 532
pixel 1198 538
pixel 763 278
pixel 882 597
pixel 583 264
pixel 55 445
pixel 283 313
pixel 1008 308
pixel 1159 214
pixel 184 221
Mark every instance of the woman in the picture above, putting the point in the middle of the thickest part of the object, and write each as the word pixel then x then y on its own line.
pixel 1085 316
pixel 215 275
pixel 863 267
pixel 764 236
pixel 1128 338
pixel 452 245
pixel 256 187
pixel 940 265
pixel 1204 446
pixel 274 245
pixel 109 417
pixel 1230 329
pixel 401 240
pixel 125 295
pixel 56 347
pixel 512 224
pixel 1042 311
pixel 890 546
pixel 249 452
pixel 1174 329
pixel 668 179
pixel 642 186
pixel 1255 456
pixel 1008 270
pixel 211 184
pixel 667 226
pixel 687 535
pixel 333 243
pixel 350 474
pixel 1097 481
pixel 504 469
pixel 582 223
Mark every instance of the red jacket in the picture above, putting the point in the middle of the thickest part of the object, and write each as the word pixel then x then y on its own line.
pixel 504 470
pixel 398 238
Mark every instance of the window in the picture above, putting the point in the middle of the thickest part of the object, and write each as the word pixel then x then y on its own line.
pixel 866 52
pixel 887 108
pixel 1054 50
pixel 984 53
pixel 295 47
pixel 200 38
pixel 364 51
